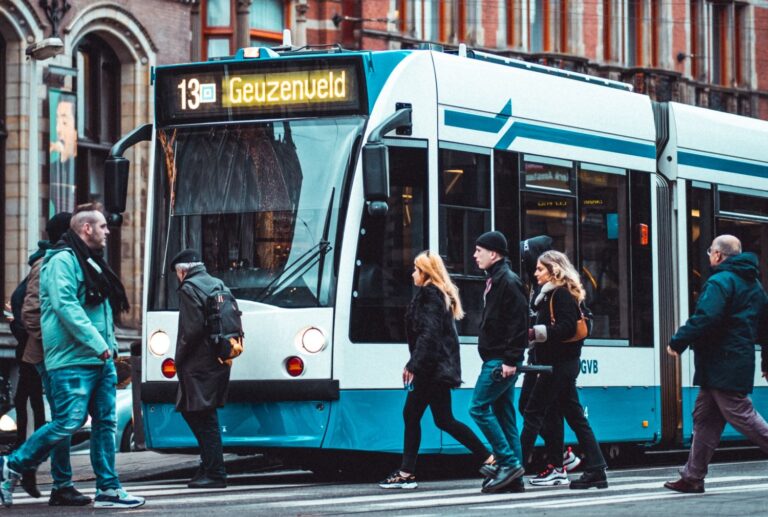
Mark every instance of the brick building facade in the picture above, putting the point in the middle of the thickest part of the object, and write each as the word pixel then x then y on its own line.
pixel 103 74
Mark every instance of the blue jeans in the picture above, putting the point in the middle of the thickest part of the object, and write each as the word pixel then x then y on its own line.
pixel 493 410
pixel 61 468
pixel 77 391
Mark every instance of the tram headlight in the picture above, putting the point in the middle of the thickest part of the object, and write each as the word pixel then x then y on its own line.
pixel 7 424
pixel 159 343
pixel 312 339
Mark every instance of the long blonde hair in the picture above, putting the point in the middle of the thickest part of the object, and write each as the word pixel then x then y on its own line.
pixel 432 267
pixel 562 273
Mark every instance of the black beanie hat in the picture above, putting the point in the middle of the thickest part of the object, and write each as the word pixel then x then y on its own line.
pixel 57 226
pixel 493 241
pixel 184 257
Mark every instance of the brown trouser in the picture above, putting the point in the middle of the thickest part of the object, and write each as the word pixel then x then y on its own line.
pixel 712 410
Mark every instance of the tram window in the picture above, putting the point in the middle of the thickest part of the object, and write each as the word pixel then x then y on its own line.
pixel 744 213
pixel 641 288
pixel 700 235
pixel 506 197
pixel 465 213
pixel 547 173
pixel 386 248
pixel 548 214
pixel 604 249
pixel 742 204
pixel 753 236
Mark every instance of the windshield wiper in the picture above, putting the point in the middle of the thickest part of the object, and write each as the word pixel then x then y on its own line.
pixel 315 254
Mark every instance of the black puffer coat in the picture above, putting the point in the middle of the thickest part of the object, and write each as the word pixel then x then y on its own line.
pixel 432 338
pixel 203 380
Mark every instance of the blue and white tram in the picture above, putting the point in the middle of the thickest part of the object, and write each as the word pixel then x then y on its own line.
pixel 271 164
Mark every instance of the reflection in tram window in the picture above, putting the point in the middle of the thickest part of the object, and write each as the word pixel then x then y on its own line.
pixel 465 213
pixel 260 224
pixel 547 173
pixel 553 215
pixel 700 235
pixel 604 249
pixel 753 236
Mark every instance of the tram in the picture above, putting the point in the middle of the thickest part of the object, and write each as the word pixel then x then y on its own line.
pixel 310 179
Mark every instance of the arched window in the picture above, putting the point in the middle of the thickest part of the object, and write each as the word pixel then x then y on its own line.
pixel 97 87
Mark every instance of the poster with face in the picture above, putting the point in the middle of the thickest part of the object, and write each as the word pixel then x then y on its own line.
pixel 63 150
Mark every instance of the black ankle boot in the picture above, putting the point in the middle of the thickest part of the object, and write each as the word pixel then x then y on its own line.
pixel 591 479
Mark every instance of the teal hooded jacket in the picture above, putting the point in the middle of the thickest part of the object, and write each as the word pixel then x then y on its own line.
pixel 73 334
pixel 723 329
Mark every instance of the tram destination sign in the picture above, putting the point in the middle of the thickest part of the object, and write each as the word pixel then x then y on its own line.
pixel 253 90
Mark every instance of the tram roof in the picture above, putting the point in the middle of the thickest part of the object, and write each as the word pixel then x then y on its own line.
pixel 710 139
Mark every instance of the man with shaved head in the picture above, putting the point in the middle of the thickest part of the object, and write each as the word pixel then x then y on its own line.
pixel 729 319
pixel 78 294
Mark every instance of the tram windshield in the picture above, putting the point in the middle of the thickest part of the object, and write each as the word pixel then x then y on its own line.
pixel 260 201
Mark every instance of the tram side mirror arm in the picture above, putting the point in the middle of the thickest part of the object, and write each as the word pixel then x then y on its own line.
pixel 376 161
pixel 116 172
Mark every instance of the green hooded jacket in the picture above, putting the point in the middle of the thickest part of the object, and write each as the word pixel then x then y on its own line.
pixel 723 329
pixel 73 334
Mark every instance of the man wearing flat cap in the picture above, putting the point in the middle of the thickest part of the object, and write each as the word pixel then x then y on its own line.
pixel 203 379
pixel 501 343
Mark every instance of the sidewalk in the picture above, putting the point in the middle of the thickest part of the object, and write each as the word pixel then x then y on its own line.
pixel 146 465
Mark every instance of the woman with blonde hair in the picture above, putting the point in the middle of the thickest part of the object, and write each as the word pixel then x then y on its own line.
pixel 434 367
pixel 554 334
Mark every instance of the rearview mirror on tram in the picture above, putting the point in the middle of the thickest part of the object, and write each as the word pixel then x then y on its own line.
pixel 116 169
pixel 376 177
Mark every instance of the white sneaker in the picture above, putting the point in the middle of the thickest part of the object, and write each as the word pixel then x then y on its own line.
pixel 550 477
pixel 116 498
pixel 10 479
pixel 570 461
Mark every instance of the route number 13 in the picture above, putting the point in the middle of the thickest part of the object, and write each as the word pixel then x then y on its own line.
pixel 190 93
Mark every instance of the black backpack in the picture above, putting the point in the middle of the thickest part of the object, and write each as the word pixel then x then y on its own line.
pixel 223 324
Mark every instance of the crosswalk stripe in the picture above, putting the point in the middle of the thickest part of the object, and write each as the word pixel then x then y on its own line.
pixel 628 498
pixel 395 499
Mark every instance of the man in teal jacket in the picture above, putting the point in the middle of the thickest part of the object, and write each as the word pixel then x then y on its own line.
pixel 722 333
pixel 78 292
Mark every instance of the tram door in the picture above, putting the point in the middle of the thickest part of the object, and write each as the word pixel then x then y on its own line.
pixel 717 210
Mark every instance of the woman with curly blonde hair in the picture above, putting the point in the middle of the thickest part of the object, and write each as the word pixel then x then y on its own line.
pixel 558 309
pixel 434 367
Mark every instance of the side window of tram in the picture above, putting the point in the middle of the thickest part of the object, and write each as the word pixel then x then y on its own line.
pixel 746 217
pixel 549 202
pixel 387 245
pixel 604 248
pixel 701 233
pixel 465 213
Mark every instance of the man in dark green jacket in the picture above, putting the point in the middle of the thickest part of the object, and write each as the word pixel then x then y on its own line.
pixel 722 333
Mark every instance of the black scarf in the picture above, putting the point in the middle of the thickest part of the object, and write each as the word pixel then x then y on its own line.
pixel 99 285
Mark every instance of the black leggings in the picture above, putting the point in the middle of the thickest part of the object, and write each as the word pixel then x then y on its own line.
pixel 558 391
pixel 438 398
pixel 29 387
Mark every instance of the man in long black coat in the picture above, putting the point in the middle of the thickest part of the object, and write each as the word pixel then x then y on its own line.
pixel 203 378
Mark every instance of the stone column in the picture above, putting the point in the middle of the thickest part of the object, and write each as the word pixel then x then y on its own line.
pixel 196 28
pixel 300 37
pixel 242 25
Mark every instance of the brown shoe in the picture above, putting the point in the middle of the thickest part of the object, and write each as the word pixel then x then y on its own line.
pixel 686 487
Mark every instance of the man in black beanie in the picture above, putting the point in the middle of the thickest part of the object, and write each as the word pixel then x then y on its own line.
pixel 502 341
